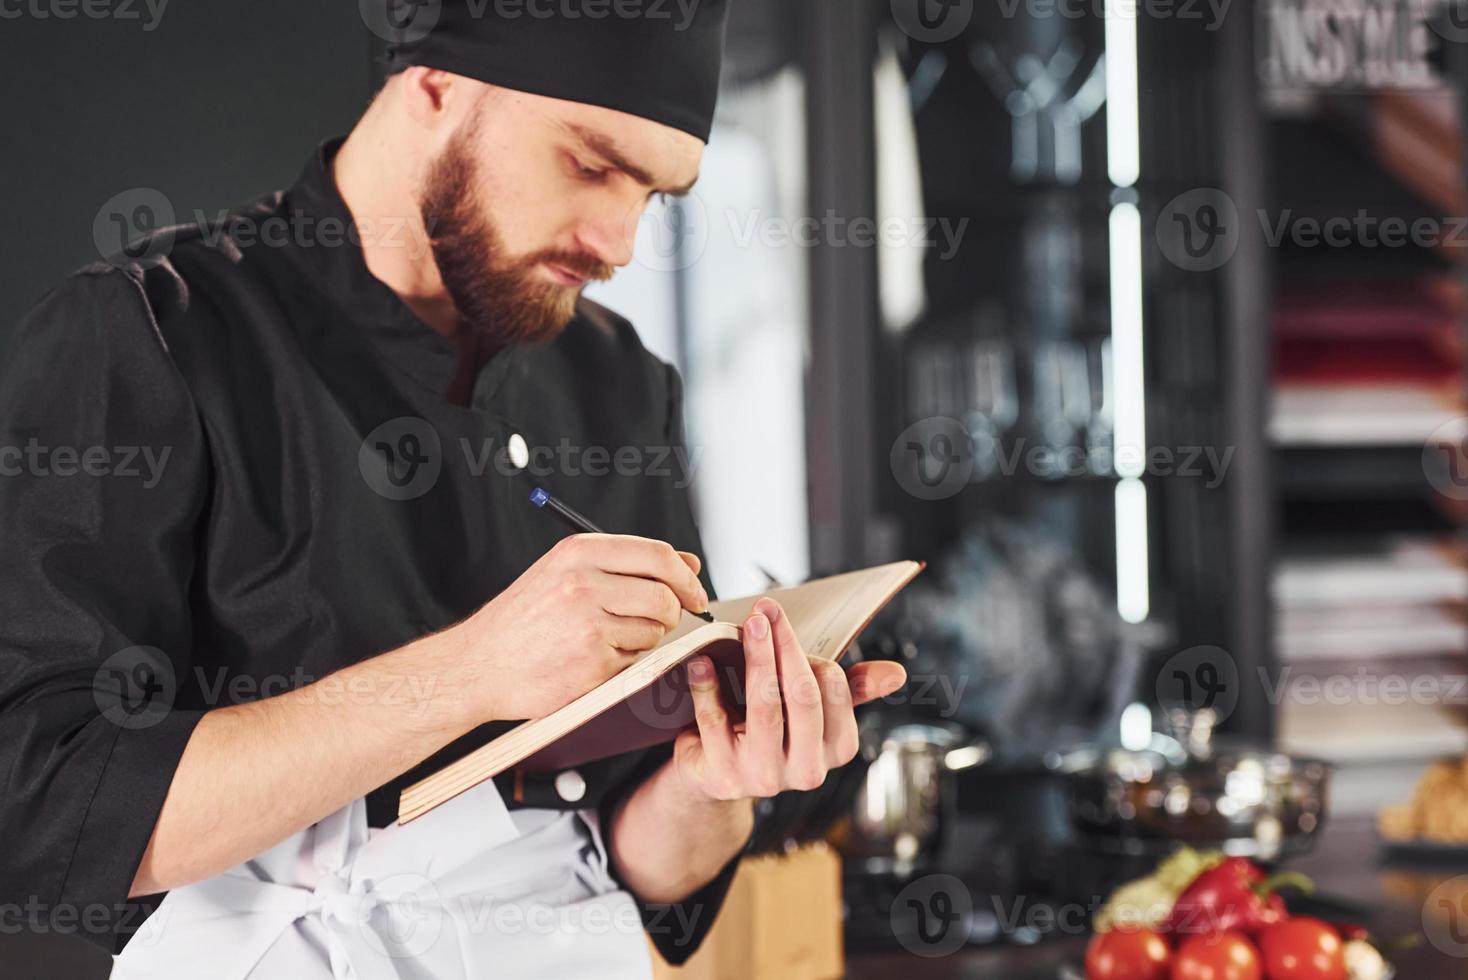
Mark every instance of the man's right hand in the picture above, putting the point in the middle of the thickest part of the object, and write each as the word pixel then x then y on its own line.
pixel 574 619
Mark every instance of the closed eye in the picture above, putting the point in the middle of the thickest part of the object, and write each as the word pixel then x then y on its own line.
pixel 594 175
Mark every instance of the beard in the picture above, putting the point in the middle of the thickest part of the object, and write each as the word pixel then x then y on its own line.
pixel 503 300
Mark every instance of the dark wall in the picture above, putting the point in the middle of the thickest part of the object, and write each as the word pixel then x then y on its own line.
pixel 216 104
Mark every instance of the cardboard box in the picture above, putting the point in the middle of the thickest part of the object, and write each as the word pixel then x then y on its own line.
pixel 782 918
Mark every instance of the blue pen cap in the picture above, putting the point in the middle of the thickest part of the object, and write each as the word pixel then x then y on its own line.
pixel 538 497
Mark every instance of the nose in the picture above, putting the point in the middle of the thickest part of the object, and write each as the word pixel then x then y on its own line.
pixel 610 236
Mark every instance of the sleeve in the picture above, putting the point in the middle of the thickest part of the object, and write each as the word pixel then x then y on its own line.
pixel 102 481
pixel 677 929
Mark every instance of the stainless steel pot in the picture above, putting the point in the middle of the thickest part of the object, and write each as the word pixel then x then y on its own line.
pixel 1245 801
pixel 897 818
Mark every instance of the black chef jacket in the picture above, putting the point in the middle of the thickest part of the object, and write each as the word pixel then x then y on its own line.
pixel 238 456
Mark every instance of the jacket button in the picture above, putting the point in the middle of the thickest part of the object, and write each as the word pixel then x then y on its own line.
pixel 570 786
pixel 519 452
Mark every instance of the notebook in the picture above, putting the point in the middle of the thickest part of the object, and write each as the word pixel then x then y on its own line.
pixel 649 702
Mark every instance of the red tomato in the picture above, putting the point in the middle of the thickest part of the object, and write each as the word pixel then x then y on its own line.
pixel 1302 949
pixel 1127 953
pixel 1226 956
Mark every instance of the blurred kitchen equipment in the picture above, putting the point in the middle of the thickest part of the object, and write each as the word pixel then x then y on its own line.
pixel 992 404
pixel 1049 97
pixel 898 815
pixel 1184 788
pixel 1100 427
pixel 1018 638
pixel 795 818
pixel 1062 399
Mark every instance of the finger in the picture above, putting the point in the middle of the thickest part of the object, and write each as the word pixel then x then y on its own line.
pixel 632 634
pixel 644 598
pixel 840 737
pixel 692 561
pixel 805 757
pixel 624 554
pixel 875 679
pixel 762 751
pixel 715 731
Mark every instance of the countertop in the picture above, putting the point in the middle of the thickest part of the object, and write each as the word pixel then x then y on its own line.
pixel 1346 863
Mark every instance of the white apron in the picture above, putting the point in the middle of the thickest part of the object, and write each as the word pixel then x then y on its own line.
pixel 469 890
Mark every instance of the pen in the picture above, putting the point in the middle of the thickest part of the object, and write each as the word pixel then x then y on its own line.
pixel 579 523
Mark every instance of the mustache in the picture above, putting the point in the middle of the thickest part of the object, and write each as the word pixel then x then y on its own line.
pixel 577 263
pixel 588 267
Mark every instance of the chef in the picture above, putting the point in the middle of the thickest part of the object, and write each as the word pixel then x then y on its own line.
pixel 218 671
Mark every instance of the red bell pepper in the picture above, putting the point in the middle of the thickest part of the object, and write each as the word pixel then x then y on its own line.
pixel 1236 894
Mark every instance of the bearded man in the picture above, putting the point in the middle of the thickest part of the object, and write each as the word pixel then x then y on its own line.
pixel 215 683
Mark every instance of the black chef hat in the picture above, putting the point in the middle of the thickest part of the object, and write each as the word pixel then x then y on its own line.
pixel 658 59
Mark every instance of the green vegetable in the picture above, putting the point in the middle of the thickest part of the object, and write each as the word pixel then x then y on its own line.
pixel 1185 864
pixel 1148 901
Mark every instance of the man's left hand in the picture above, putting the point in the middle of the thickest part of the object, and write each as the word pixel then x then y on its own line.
pixel 799 720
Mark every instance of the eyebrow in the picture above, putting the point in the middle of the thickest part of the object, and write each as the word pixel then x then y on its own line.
pixel 606 148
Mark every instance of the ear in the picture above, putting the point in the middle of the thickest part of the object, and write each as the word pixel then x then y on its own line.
pixel 429 95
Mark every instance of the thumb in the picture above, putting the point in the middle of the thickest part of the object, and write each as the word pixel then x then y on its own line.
pixel 875 679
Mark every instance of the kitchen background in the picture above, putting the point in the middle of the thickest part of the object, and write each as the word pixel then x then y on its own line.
pixel 1141 321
